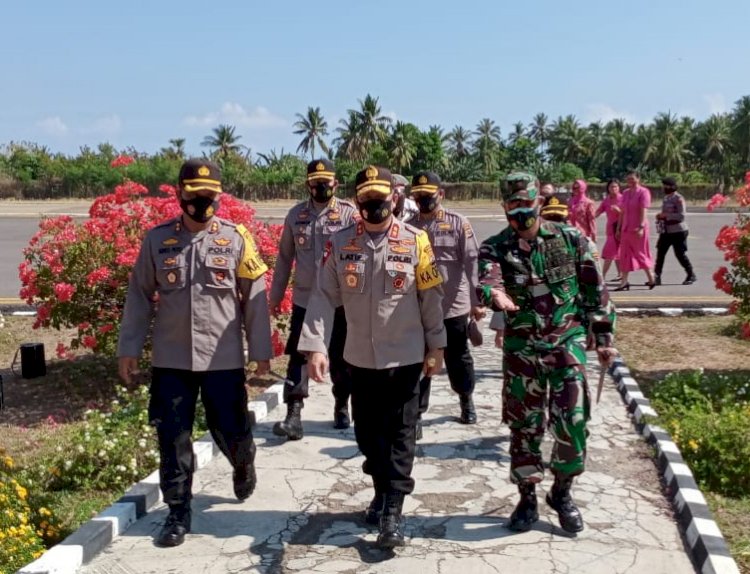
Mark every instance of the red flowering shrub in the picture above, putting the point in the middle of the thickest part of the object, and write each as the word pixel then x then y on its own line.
pixel 76 274
pixel 734 241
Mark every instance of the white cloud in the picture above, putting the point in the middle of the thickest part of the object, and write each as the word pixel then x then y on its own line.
pixel 605 113
pixel 106 125
pixel 392 115
pixel 234 114
pixel 716 103
pixel 53 126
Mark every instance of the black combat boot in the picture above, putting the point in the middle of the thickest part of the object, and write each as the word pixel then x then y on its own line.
pixel 525 514
pixel 291 426
pixel 375 508
pixel 690 279
pixel 244 480
pixel 341 419
pixel 391 532
pixel 559 499
pixel 657 280
pixel 468 413
pixel 175 527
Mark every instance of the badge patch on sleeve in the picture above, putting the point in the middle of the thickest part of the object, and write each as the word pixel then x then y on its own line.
pixel 252 266
pixel 427 272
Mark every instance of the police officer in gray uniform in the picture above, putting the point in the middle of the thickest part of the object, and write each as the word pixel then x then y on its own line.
pixel 456 251
pixel 307 228
pixel 383 272
pixel 200 279
pixel 673 231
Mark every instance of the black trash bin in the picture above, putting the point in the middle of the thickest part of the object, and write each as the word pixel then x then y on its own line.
pixel 33 363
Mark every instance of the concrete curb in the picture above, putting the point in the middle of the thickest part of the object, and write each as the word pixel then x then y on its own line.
pixel 706 544
pixel 96 534
pixel 673 311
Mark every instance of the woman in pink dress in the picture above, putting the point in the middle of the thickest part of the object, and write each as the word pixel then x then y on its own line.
pixel 635 250
pixel 582 210
pixel 612 206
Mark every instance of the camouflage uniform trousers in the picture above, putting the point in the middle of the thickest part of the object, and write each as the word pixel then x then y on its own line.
pixel 545 386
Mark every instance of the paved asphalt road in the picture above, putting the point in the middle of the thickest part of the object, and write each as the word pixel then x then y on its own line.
pixel 18 222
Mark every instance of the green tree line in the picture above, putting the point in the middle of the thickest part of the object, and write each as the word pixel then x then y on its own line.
pixel 715 151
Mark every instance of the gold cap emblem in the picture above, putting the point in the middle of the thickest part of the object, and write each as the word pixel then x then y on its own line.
pixel 422 179
pixel 371 172
pixel 320 166
pixel 203 171
pixel 554 201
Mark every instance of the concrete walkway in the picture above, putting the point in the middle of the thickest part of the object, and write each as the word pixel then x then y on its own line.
pixel 307 512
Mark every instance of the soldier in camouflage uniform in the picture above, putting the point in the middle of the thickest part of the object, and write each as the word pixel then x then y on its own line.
pixel 545 278
pixel 307 228
pixel 456 250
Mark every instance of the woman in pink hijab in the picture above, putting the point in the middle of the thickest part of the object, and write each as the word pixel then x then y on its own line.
pixel 635 249
pixel 582 210
pixel 612 206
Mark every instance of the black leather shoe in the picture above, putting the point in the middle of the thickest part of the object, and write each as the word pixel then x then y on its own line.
pixel 341 419
pixel 657 280
pixel 468 412
pixel 525 514
pixel 375 509
pixel 175 528
pixel 391 532
pixel 291 426
pixel 244 480
pixel 690 279
pixel 560 500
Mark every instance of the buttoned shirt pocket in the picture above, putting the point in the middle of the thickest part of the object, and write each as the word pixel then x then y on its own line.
pixel 399 278
pixel 171 273
pixel 352 276
pixel 220 272
pixel 445 247
pixel 303 239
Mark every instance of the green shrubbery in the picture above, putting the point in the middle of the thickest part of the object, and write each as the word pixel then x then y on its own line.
pixel 708 416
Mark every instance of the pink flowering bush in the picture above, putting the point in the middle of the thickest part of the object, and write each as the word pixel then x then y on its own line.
pixel 76 274
pixel 734 241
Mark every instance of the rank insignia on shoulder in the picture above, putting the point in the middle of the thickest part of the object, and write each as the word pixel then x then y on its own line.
pixel 222 241
pixel 170 241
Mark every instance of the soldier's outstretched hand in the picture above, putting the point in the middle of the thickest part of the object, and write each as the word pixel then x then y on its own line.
pixel 502 301
pixel 606 355
pixel 317 367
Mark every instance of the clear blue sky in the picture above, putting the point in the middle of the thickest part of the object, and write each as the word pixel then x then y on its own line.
pixel 141 72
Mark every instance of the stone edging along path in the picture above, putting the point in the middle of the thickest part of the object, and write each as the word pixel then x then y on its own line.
pixel 706 544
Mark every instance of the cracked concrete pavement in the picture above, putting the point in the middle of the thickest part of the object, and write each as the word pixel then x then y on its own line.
pixel 307 513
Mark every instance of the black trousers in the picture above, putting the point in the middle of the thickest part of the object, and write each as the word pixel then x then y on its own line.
pixel 458 362
pixel 679 242
pixel 385 405
pixel 296 387
pixel 174 394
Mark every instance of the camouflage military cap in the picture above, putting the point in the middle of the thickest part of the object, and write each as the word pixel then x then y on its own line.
pixel 320 169
pixel 520 185
pixel 197 174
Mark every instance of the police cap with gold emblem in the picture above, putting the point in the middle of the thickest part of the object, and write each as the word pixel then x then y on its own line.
pixel 555 208
pixel 425 182
pixel 520 185
pixel 197 174
pixel 320 169
pixel 373 179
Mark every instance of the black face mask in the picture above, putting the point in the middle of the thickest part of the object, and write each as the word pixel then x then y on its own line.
pixel 375 210
pixel 426 203
pixel 524 217
pixel 199 209
pixel 321 192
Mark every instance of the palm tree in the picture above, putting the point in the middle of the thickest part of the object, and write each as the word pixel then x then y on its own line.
pixel 402 148
pixel 372 124
pixel 617 146
pixel 567 140
pixel 714 143
pixel 176 149
pixel 519 131
pixel 349 141
pixel 459 141
pixel 741 128
pixel 313 127
pixel 539 131
pixel 670 148
pixel 486 144
pixel 223 140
